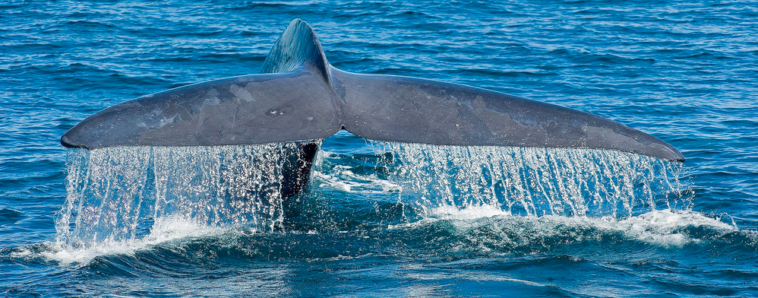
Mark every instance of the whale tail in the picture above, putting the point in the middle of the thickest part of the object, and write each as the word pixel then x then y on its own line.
pixel 297 46
pixel 300 97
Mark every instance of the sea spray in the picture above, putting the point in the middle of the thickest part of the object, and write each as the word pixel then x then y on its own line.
pixel 535 181
pixel 119 194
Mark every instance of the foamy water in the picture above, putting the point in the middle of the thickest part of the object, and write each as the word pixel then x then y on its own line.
pixel 137 204
pixel 660 227
pixel 123 200
pixel 163 230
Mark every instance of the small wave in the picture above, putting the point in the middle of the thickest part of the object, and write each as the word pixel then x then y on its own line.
pixel 357 172
pixel 484 230
pixel 9 216
pixel 494 72
pixel 164 230
pixel 471 212
pixel 271 5
pixel 89 24
pixel 343 179
pixel 494 228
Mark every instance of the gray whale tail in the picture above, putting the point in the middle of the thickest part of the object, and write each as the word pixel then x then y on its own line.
pixel 299 96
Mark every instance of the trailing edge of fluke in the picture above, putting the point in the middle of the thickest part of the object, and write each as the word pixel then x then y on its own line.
pixel 299 96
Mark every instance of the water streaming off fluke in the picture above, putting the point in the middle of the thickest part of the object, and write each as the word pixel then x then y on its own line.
pixel 122 194
pixel 117 194
pixel 535 181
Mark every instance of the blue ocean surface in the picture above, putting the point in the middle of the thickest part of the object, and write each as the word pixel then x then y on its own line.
pixel 385 219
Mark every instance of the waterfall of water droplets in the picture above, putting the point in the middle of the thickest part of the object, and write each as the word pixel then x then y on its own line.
pixel 117 194
pixel 535 181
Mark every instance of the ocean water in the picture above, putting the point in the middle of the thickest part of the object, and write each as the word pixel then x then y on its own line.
pixel 385 219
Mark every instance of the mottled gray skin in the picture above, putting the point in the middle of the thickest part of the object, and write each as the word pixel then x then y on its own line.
pixel 378 108
pixel 253 109
pixel 304 98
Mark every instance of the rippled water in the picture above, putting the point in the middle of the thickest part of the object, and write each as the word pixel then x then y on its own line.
pixel 386 219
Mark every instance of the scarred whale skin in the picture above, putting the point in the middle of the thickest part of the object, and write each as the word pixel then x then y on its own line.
pixel 300 97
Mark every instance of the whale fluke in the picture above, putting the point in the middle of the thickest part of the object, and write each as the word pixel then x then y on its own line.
pixel 300 97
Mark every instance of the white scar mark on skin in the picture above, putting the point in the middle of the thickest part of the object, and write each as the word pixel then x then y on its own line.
pixel 241 93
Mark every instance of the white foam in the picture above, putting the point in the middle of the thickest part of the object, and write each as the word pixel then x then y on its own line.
pixel 466 213
pixel 23 252
pixel 660 227
pixel 164 230
pixel 343 179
